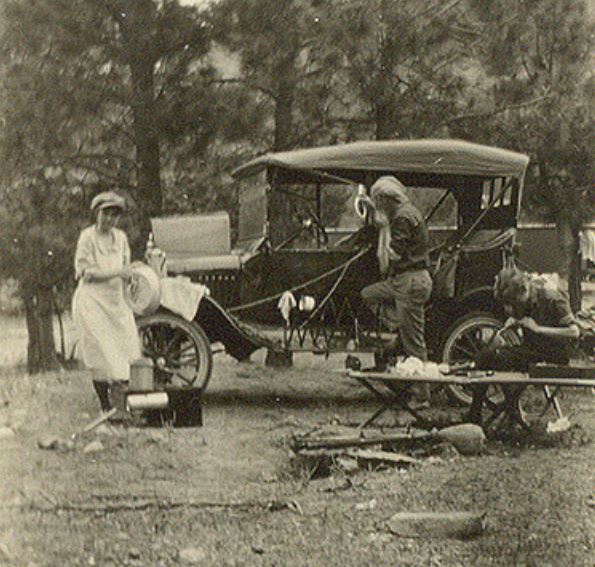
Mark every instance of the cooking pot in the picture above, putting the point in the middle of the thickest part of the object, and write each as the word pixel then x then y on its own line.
pixel 143 291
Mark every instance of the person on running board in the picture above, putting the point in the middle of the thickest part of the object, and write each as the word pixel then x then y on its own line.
pixel 403 258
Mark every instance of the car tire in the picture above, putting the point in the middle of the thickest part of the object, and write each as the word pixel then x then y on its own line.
pixel 462 341
pixel 166 338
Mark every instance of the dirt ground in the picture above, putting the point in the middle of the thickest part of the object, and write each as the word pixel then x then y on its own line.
pixel 225 494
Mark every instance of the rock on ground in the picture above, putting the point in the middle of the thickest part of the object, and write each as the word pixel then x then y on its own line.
pixel 192 555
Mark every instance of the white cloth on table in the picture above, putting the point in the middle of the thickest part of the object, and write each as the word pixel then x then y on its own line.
pixel 182 296
pixel 108 337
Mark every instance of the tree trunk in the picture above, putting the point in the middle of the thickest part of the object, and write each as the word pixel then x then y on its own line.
pixel 575 276
pixel 568 239
pixel 384 103
pixel 280 206
pixel 145 134
pixel 41 350
pixel 141 59
pixel 384 121
pixel 284 109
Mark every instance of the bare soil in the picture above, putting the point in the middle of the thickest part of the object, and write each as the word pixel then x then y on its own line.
pixel 226 494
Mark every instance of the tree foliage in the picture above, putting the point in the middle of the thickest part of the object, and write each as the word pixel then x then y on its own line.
pixel 285 64
pixel 91 92
pixel 402 64
pixel 160 100
pixel 535 64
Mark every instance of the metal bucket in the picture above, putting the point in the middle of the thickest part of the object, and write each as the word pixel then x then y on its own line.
pixel 141 375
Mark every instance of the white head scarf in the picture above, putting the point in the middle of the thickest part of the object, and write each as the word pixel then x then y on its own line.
pixel 388 187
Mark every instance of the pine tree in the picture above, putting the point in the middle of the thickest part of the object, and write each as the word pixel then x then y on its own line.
pixel 91 90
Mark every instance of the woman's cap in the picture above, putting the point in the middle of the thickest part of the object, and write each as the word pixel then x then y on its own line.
pixel 108 199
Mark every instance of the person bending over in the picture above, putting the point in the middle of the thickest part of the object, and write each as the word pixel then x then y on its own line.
pixel 548 329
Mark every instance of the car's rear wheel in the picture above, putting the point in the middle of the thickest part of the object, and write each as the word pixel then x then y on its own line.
pixel 180 350
pixel 465 339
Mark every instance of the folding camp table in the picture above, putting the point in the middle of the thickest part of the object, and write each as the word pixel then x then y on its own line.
pixel 392 391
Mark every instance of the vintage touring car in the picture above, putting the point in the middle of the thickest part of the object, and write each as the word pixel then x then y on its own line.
pixel 304 251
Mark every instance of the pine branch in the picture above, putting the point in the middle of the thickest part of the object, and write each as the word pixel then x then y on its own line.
pixel 493 112
pixel 101 156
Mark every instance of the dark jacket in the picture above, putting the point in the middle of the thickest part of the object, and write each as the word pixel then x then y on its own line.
pixel 409 240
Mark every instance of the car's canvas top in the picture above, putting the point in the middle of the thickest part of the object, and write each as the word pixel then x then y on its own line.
pixel 416 156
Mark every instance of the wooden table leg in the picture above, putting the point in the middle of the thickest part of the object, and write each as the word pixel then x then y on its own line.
pixel 508 408
pixel 394 396
pixel 551 399
pixel 474 415
pixel 381 398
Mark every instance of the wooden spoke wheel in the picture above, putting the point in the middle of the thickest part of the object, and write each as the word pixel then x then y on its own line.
pixel 465 339
pixel 180 350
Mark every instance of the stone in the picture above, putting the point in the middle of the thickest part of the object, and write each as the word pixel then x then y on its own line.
pixel 366 505
pixel 134 553
pixel 379 538
pixel 347 465
pixel 457 525
pixel 193 555
pixel 106 429
pixel 468 438
pixel 66 445
pixel 5 555
pixel 50 442
pixel 445 450
pixel 6 432
pixel 156 437
pixel 18 417
pixel 93 447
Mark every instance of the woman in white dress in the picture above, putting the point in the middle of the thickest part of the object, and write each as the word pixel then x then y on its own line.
pixel 108 335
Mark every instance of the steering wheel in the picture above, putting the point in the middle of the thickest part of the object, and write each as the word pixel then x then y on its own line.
pixel 313 220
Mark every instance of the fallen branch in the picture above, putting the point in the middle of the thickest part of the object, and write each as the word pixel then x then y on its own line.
pixel 467 438
pixel 381 457
pixel 111 507
pixel 162 505
pixel 356 440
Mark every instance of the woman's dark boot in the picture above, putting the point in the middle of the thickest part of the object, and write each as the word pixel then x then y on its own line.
pixel 118 392
pixel 102 391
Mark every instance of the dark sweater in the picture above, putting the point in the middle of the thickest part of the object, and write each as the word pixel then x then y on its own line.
pixel 409 240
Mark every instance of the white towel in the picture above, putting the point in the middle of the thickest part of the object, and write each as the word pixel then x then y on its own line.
pixel 587 244
pixel 182 296
pixel 286 303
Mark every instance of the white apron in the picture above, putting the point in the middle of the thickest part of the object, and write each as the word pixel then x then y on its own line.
pixel 108 337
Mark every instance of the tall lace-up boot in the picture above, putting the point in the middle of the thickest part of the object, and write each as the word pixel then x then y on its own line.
pixel 102 391
pixel 118 393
